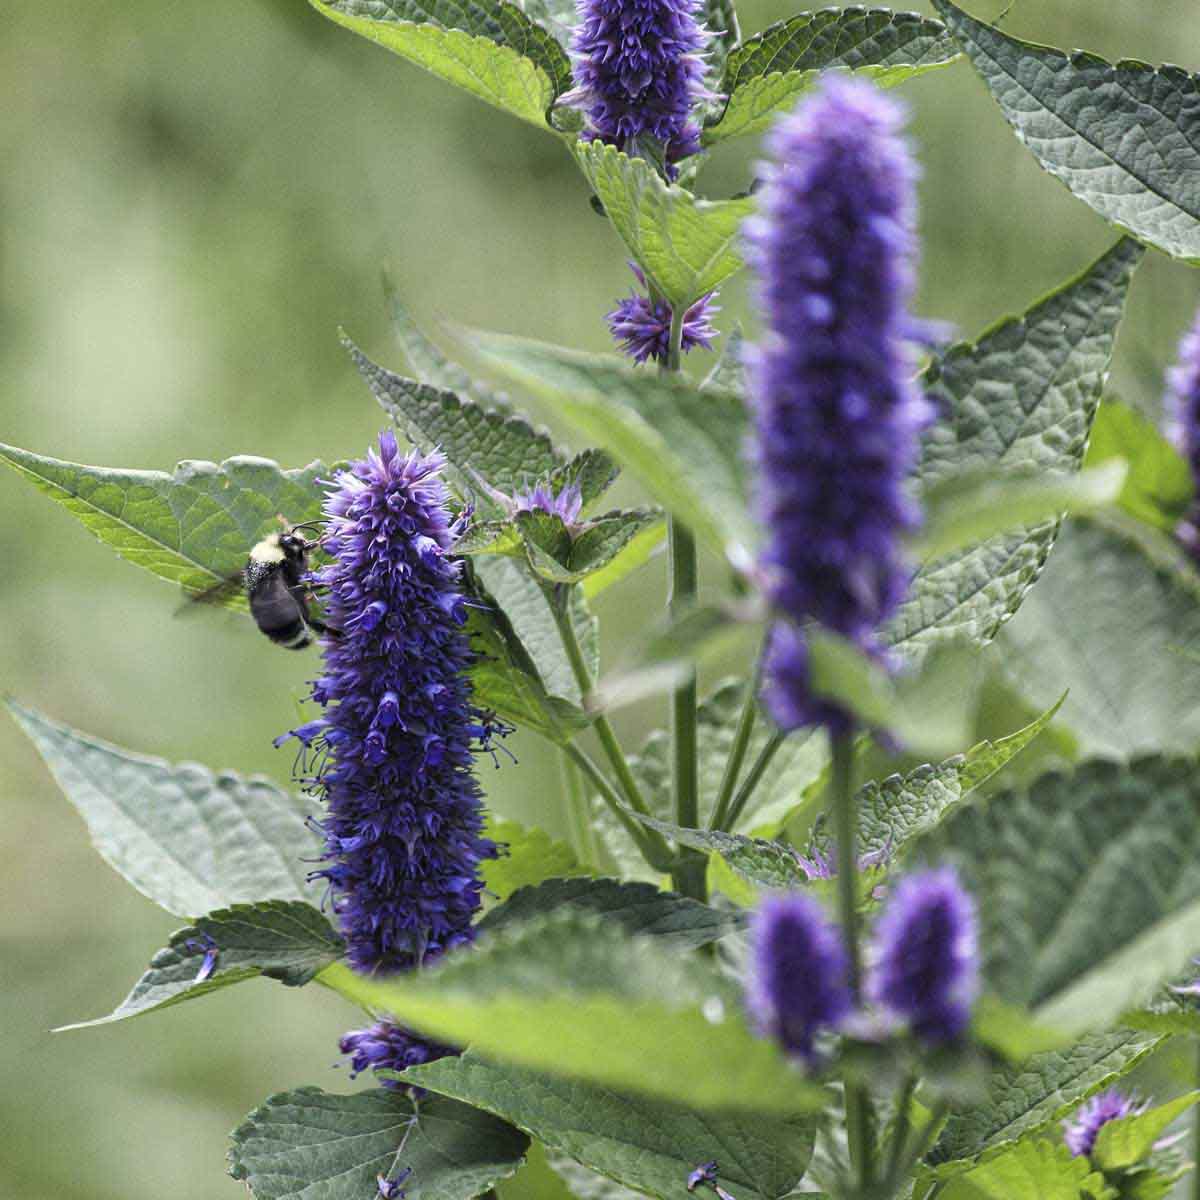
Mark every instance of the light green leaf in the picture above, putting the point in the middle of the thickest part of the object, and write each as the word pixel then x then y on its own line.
pixel 1087 886
pixel 768 70
pixel 1028 1171
pixel 532 856
pixel 309 1143
pixel 647 1145
pixel 1117 626
pixel 491 50
pixel 638 551
pixel 685 246
pixel 639 908
pixel 190 840
pixel 1124 138
pixel 1127 1141
pixel 576 996
pixel 1020 398
pixel 684 446
pixel 286 940
pixel 1158 489
pixel 195 527
pixel 729 371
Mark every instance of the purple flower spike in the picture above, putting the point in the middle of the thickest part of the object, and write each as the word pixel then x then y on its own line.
pixel 639 70
pixel 643 326
pixel 1080 1132
pixel 1182 408
pixel 837 412
pixel 403 832
pixel 388 1047
pixel 797 984
pixel 566 504
pixel 926 962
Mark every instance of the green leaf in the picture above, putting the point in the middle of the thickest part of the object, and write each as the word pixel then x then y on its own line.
pixel 729 371
pixel 1116 626
pixel 286 940
pixel 1127 1141
pixel 684 446
pixel 638 551
pixel 508 452
pixel 584 1183
pixel 1028 1171
pixel 770 69
pixel 647 1145
pixel 532 856
pixel 639 908
pixel 1024 1100
pixel 1124 138
pixel 308 1143
pixel 1158 489
pixel 593 549
pixel 721 20
pixel 978 505
pixel 195 527
pixel 491 50
pixel 1020 398
pixel 685 246
pixel 592 471
pixel 1087 886
pixel 576 996
pixel 190 840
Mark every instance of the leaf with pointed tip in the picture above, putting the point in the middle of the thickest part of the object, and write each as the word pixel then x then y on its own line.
pixel 686 246
pixel 1022 397
pixel 1029 1170
pixel 308 1143
pixel 639 908
pixel 729 371
pixel 286 940
pixel 684 446
pixel 504 449
pixel 190 840
pixel 531 856
pixel 769 70
pixel 1124 137
pixel 1127 1141
pixel 650 1146
pixel 595 548
pixel 489 48
pixel 577 996
pixel 194 527
pixel 592 471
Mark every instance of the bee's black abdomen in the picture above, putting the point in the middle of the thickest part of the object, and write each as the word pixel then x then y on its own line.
pixel 276 610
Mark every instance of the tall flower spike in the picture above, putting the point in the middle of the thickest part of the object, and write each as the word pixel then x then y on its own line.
pixel 1081 1130
pixel 639 71
pixel 642 326
pixel 1182 407
pixel 925 968
pixel 837 413
pixel 403 831
pixel 797 984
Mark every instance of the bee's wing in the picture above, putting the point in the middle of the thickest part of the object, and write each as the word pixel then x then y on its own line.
pixel 217 595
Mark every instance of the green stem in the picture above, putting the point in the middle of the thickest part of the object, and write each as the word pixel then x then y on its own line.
pixel 857 1115
pixel 579 817
pixel 737 756
pixel 752 780
pixel 900 1132
pixel 1196 1146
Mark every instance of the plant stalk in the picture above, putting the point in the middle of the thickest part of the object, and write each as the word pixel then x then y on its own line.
pixel 752 780
pixel 737 756
pixel 579 817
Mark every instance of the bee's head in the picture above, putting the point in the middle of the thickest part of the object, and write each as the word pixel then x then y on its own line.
pixel 294 546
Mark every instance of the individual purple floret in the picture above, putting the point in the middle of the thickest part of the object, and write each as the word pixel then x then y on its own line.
pixel 1182 408
pixel 642 326
pixel 639 70
pixel 566 504
pixel 393 1189
pixel 925 962
pixel 387 1047
pixel 797 983
pixel 394 748
pixel 1081 1130
pixel 837 413
pixel 822 864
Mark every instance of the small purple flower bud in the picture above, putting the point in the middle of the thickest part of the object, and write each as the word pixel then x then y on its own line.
pixel 704 1173
pixel 1080 1132
pixel 211 952
pixel 642 326
pixel 639 71
pixel 566 504
pixel 388 1047
pixel 837 413
pixel 797 984
pixel 1182 408
pixel 393 1189
pixel 925 968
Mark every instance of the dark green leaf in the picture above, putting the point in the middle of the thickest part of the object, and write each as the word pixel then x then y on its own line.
pixel 770 69
pixel 639 908
pixel 1127 1141
pixel 308 1143
pixel 592 471
pixel 286 940
pixel 576 995
pixel 1125 138
pixel 559 558
pixel 195 527
pixel 685 246
pixel 531 857
pixel 1023 397
pixel 648 1145
pixel 190 840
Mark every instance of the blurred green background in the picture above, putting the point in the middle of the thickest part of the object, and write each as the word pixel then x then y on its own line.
pixel 193 198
